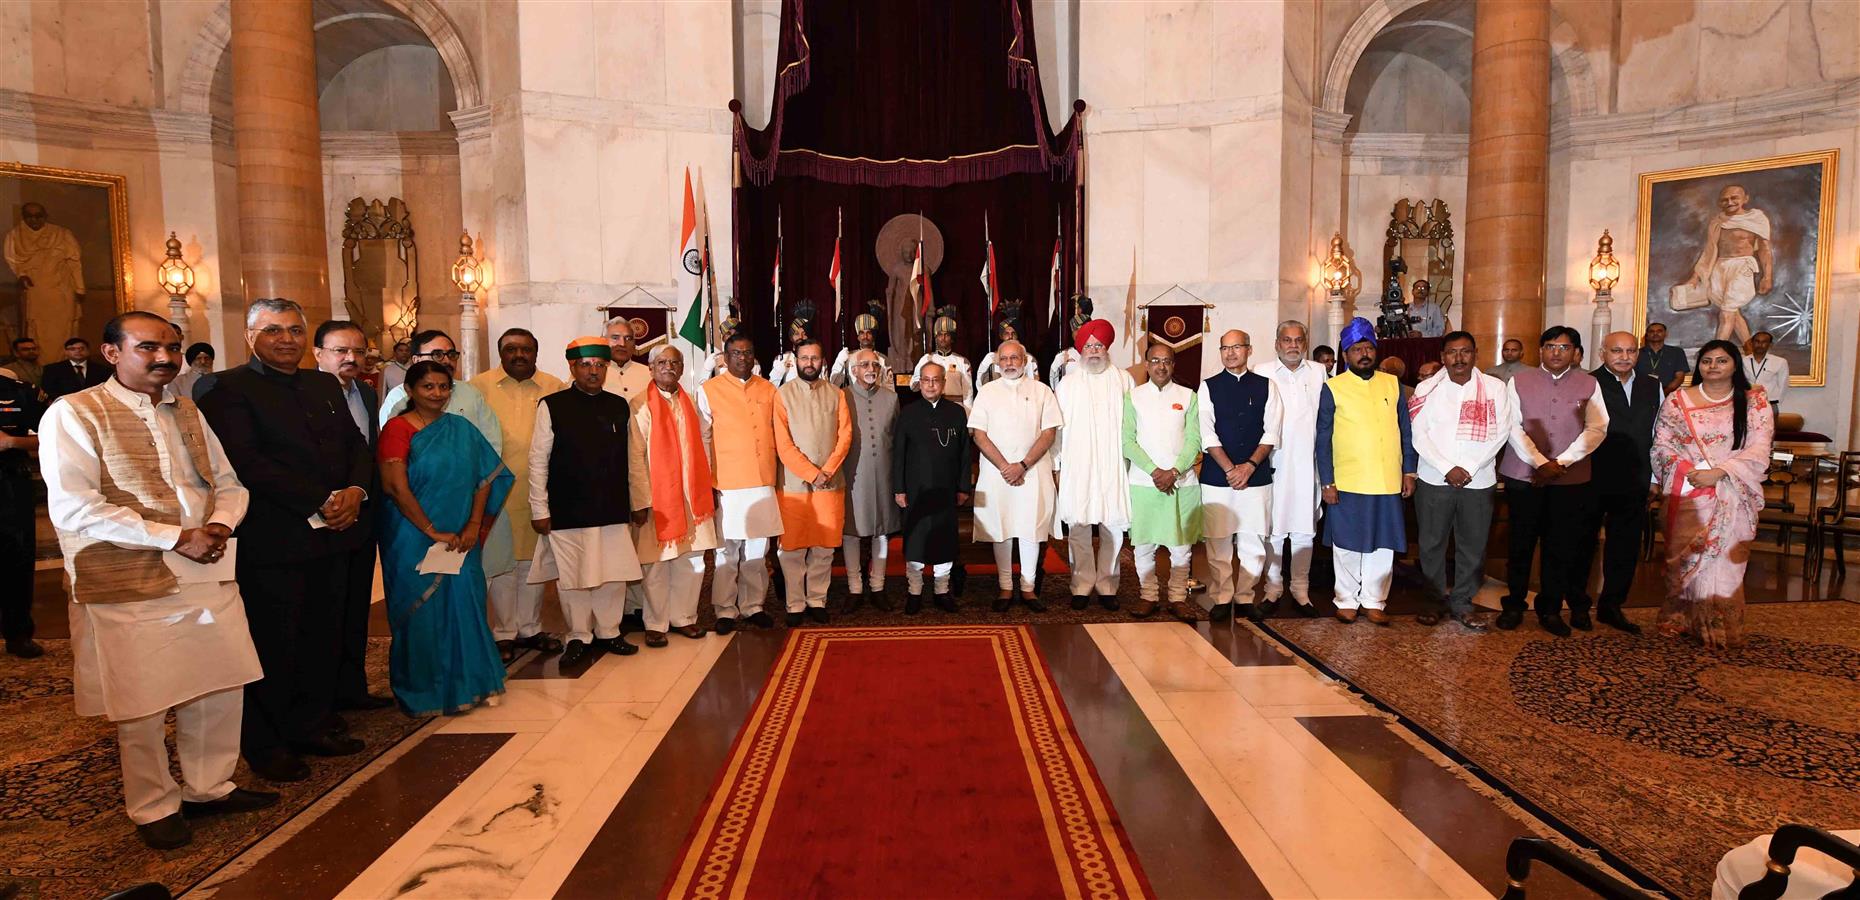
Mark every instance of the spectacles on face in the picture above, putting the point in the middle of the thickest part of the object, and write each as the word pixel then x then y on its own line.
pixel 345 351
pixel 273 331
pixel 1562 347
pixel 1227 347
pixel 447 355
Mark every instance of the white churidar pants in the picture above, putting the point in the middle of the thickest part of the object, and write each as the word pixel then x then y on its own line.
pixel 671 589
pixel 593 612
pixel 516 605
pixel 206 738
pixel 1146 571
pixel 881 549
pixel 1362 578
pixel 807 572
pixel 741 579
pixel 1299 563
pixel 939 574
pixel 1004 563
pixel 1091 571
pixel 1224 584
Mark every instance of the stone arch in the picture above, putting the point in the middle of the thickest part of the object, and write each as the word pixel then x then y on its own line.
pixel 1570 62
pixel 196 84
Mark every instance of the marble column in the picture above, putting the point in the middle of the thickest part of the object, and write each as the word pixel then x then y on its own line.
pixel 1506 173
pixel 278 142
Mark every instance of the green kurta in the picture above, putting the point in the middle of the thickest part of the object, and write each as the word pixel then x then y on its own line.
pixel 1163 424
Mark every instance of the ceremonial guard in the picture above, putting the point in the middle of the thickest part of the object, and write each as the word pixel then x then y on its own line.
pixel 1007 329
pixel 865 337
pixel 871 516
pixel 930 473
pixel 1240 420
pixel 579 499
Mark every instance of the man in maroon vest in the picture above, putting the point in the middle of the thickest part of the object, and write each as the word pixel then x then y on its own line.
pixel 1559 419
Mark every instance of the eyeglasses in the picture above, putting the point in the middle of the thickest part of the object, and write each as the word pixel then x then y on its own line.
pixel 440 354
pixel 1563 347
pixel 272 331
pixel 345 351
pixel 1226 347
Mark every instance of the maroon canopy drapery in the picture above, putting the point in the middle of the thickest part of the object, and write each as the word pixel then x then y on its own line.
pixel 905 106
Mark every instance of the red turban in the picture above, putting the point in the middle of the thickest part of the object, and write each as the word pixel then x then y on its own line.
pixel 1096 328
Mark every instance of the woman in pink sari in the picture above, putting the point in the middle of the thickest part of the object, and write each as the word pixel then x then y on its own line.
pixel 1711 448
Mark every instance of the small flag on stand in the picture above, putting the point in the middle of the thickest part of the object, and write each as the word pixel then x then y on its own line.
pixel 1130 302
pixel 690 269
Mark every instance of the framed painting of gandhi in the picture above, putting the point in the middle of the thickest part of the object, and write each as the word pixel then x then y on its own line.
pixel 1729 250
pixel 67 253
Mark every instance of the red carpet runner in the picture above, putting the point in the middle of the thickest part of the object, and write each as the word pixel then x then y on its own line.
pixel 908 762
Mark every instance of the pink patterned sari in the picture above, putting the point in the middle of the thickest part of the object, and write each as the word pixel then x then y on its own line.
pixel 1708 532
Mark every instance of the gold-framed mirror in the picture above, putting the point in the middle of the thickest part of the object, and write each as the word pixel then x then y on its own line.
pixel 380 270
pixel 68 263
pixel 1420 233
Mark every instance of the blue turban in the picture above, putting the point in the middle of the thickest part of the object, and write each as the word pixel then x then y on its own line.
pixel 1359 329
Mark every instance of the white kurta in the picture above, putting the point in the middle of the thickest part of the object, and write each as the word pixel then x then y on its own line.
pixel 1294 458
pixel 1012 414
pixel 1090 450
pixel 580 558
pixel 1225 511
pixel 628 381
pixel 987 372
pixel 700 536
pixel 958 381
pixel 137 659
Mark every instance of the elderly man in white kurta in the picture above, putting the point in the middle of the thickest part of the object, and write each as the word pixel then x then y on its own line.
pixel 48 263
pixel 1294 467
pixel 674 511
pixel 1014 423
pixel 144 503
pixel 1091 466
pixel 1240 418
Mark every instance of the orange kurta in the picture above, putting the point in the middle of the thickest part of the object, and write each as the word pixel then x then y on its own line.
pixel 813 434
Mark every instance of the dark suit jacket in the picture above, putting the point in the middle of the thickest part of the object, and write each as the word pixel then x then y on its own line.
pixel 1624 460
pixel 61 377
pixel 292 441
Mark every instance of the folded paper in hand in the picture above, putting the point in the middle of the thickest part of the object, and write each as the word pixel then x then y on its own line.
pixel 440 561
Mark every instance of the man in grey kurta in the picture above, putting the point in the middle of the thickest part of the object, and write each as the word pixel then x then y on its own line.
pixel 871 513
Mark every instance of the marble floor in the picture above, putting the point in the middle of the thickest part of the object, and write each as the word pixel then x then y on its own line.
pixel 1237 772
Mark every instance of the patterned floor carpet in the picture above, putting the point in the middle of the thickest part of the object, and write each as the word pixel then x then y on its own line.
pixel 1660 752
pixel 62 828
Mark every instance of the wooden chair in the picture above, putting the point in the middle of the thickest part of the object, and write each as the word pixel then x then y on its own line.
pixel 1780 508
pixel 1524 851
pixel 1783 847
pixel 1837 520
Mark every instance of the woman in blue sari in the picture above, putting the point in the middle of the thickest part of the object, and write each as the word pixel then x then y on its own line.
pixel 442 476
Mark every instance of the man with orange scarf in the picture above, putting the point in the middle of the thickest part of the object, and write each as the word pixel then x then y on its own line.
pixel 674 511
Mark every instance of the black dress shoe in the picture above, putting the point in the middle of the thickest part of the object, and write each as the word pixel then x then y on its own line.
pixel 618 646
pixel 633 621
pixel 1256 611
pixel 1579 620
pixel 794 619
pixel 1080 601
pixel 881 600
pixel 1034 602
pixel 762 619
pixel 239 801
pixel 1306 610
pixel 336 724
pixel 854 602
pixel 1509 619
pixel 168 833
pixel 655 639
pixel 27 648
pixel 573 655
pixel 1614 619
pixel 1002 604
pixel 1109 603
pixel 725 625
pixel 818 615
pixel 913 604
pixel 279 766
pixel 364 703
pixel 1221 613
pixel 1554 624
pixel 328 745
pixel 944 602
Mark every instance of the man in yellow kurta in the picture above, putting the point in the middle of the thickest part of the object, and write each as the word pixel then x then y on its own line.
pixel 739 408
pixel 512 391
pixel 813 434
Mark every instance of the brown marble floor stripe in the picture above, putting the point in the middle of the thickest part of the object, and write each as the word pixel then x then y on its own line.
pixel 1242 645
pixel 632 853
pixel 1467 825
pixel 1184 850
pixel 324 857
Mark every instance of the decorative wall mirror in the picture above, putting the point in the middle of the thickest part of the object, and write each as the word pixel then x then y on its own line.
pixel 1421 234
pixel 380 270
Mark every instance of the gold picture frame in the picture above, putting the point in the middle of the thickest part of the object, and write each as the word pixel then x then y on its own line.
pixel 1676 210
pixel 50 185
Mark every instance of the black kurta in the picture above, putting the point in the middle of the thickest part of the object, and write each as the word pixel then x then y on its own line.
pixel 930 466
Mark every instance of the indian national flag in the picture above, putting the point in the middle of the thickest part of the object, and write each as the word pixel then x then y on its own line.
pixel 833 271
pixel 920 282
pixel 988 271
pixel 690 270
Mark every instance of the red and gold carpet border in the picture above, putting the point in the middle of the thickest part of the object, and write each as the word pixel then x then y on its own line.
pixel 1088 850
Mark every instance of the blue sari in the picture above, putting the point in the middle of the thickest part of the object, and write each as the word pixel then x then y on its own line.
pixel 443 659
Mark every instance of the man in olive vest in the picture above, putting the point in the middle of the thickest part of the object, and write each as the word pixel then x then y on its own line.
pixel 1367 464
